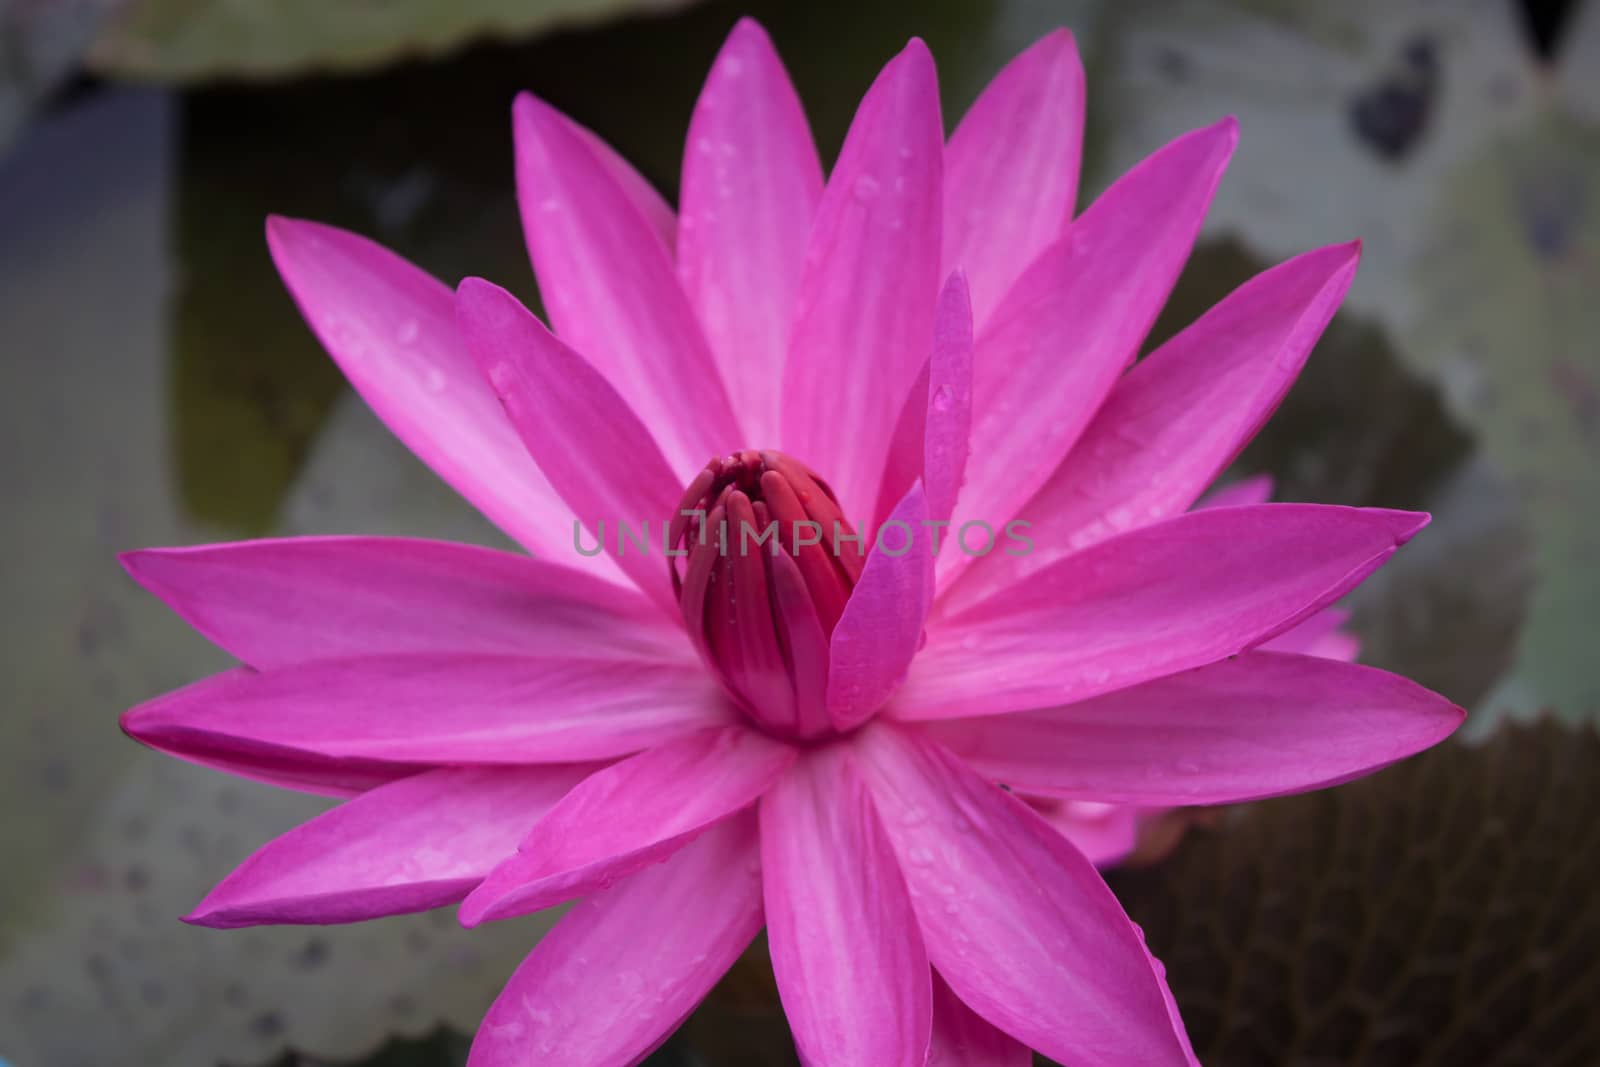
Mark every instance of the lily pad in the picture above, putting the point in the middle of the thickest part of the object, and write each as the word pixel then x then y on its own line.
pixel 178 40
pixel 1468 165
pixel 1509 311
pixel 1439 912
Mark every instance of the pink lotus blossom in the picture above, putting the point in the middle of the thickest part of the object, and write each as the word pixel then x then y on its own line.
pixel 809 740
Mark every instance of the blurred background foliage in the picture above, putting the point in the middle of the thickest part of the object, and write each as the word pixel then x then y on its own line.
pixel 158 387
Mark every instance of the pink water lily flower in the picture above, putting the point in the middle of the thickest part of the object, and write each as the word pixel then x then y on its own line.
pixel 825 740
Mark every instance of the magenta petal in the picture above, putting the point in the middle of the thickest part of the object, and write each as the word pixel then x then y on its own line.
pixel 283 766
pixel 1106 834
pixel 1258 725
pixel 629 816
pixel 624 967
pixel 1011 168
pixel 1180 416
pixel 865 313
pixel 1256 489
pixel 1015 919
pixel 415 844
pixel 751 183
pixel 592 446
pixel 881 628
pixel 633 185
pixel 1065 332
pixel 1151 602
pixel 961 1037
pixel 1318 636
pixel 435 709
pixel 611 290
pixel 933 435
pixel 276 602
pixel 850 966
pixel 391 328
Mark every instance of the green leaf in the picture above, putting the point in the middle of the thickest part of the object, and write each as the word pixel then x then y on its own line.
pixel 1440 912
pixel 1432 132
pixel 1508 303
pixel 180 40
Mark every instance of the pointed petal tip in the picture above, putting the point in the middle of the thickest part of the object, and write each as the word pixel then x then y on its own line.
pixel 281 227
pixel 1060 37
pixel 1404 524
pixel 956 286
pixel 131 559
pixel 530 115
pixel 212 914
pixel 285 233
pixel 473 288
pixel 128 723
pixel 1059 46
pixel 918 59
pixel 746 32
pixel 472 913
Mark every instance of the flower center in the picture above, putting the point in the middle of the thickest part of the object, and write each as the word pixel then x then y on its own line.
pixel 768 564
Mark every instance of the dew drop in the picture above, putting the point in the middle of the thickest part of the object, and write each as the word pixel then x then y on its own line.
pixel 943 398
pixel 866 187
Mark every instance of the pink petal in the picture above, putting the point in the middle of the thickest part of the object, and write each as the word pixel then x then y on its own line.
pixel 277 765
pixel 1258 725
pixel 751 183
pixel 276 602
pixel 629 816
pixel 1339 646
pixel 435 709
pixel 1151 602
pixel 592 446
pixel 807 646
pixel 1256 489
pixel 1074 320
pixel 611 290
pixel 1011 169
pixel 850 966
pixel 415 844
pixel 1317 636
pixel 932 436
pixel 865 312
pixel 1106 834
pixel 624 967
pixel 961 1038
pixel 881 628
pixel 1017 922
pixel 391 328
pixel 1179 417
pixel 633 185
